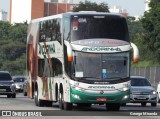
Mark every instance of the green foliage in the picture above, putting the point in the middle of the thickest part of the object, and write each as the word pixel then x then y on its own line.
pixel 19 32
pixel 136 32
pixel 144 63
pixel 91 6
pixel 13 47
pixel 151 24
pixel 16 67
pixel 4 30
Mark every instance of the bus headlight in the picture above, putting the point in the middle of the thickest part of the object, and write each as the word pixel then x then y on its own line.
pixel 73 85
pixel 79 89
pixel 76 87
pixel 124 89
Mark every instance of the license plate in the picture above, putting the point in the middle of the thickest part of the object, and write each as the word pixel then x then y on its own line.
pixel 2 90
pixel 141 97
pixel 101 99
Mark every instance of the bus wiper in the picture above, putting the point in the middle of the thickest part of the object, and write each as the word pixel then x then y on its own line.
pixel 115 78
pixel 91 77
pixel 75 59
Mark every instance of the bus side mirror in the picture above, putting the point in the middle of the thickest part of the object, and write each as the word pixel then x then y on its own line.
pixel 69 51
pixel 135 53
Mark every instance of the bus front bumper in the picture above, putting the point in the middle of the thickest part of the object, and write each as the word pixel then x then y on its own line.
pixel 82 97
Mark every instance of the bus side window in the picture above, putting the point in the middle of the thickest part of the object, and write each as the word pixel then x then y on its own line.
pixel 66 28
pixel 50 30
pixel 57 67
pixel 40 67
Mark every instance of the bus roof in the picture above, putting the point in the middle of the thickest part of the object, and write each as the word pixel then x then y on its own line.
pixel 75 13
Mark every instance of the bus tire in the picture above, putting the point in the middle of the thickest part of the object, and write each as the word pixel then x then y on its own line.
pixel 8 96
pixel 123 104
pixel 14 95
pixel 24 93
pixel 48 103
pixel 38 102
pixel 143 104
pixel 67 106
pixel 61 100
pixel 80 105
pixel 154 104
pixel 113 106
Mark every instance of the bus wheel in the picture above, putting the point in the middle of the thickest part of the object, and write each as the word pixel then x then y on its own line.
pixel 143 104
pixel 67 106
pixel 61 100
pixel 80 105
pixel 113 106
pixel 38 102
pixel 8 96
pixel 48 103
pixel 24 93
pixel 14 95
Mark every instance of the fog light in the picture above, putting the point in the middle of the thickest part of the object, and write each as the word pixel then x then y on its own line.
pixel 76 96
pixel 125 97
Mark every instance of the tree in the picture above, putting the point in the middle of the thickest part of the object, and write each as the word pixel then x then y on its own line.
pixel 19 32
pixel 4 30
pixel 151 26
pixel 13 47
pixel 91 6
pixel 12 55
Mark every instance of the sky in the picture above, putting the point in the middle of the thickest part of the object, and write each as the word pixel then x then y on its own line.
pixel 4 4
pixel 133 7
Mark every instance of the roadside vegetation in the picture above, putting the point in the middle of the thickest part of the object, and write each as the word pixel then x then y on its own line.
pixel 13 47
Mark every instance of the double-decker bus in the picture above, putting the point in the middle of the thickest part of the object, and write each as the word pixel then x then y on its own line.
pixel 80 58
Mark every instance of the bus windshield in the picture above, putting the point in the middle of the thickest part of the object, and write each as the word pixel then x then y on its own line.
pixel 107 26
pixel 101 66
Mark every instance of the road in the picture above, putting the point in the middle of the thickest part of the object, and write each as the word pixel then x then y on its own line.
pixel 21 103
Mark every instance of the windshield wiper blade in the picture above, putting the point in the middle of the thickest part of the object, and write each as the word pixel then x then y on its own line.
pixel 91 77
pixel 115 78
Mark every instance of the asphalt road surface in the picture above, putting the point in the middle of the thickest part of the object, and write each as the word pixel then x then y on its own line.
pixel 20 104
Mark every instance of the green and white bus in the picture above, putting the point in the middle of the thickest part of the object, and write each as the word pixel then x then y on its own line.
pixel 80 58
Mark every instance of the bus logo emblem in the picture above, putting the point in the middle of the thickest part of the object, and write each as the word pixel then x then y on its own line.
pixel 101 92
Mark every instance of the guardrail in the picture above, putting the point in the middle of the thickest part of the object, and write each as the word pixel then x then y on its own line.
pixel 151 73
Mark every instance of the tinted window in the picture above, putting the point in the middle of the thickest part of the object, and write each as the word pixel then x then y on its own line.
pixel 19 79
pixel 50 30
pixel 109 26
pixel 49 67
pixel 140 82
pixel 41 67
pixel 5 76
pixel 57 67
pixel 66 28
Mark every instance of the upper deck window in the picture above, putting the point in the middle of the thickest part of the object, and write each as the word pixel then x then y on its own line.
pixel 50 30
pixel 99 26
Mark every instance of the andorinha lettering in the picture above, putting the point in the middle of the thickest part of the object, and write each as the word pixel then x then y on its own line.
pixel 49 48
pixel 101 49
